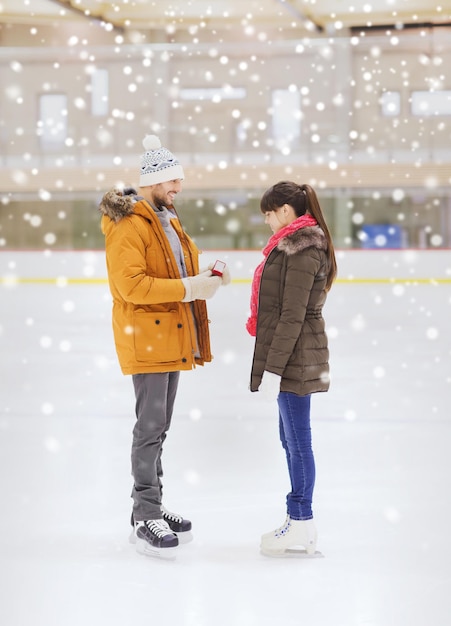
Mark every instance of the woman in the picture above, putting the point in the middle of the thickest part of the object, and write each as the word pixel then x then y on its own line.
pixel 291 355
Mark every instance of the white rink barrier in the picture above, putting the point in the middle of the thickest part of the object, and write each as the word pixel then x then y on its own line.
pixel 354 266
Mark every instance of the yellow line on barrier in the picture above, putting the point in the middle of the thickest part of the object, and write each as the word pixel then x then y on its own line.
pixel 376 281
pixel 52 281
pixel 62 281
pixel 396 281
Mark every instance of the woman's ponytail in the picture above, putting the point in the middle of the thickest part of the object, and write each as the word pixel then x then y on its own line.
pixel 315 211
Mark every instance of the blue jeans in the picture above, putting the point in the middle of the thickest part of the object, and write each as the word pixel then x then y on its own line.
pixel 296 438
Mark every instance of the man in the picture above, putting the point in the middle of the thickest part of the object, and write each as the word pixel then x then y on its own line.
pixel 160 326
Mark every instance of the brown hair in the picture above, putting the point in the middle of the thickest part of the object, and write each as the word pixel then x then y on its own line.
pixel 304 200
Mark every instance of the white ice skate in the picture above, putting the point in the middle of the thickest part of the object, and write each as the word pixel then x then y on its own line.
pixel 278 530
pixel 296 538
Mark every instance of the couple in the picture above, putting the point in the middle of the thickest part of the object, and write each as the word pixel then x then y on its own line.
pixel 160 327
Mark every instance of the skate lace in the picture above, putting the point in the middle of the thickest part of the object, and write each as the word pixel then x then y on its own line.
pixel 284 528
pixel 171 516
pixel 158 527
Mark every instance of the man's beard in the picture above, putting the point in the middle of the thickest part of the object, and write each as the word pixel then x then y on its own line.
pixel 160 202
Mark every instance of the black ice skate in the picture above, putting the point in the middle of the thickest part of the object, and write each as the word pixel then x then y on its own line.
pixel 155 538
pixel 178 525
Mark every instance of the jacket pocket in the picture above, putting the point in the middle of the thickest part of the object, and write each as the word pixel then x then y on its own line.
pixel 158 336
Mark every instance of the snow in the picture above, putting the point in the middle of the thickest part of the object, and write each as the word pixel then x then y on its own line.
pixel 381 438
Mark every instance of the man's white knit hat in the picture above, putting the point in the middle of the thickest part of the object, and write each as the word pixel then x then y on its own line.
pixel 158 165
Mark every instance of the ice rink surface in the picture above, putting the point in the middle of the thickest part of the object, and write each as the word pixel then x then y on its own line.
pixel 382 439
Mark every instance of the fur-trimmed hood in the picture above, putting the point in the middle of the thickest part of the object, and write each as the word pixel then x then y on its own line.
pixel 303 238
pixel 117 204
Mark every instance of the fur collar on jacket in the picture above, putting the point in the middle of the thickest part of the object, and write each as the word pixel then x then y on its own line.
pixel 309 237
pixel 117 204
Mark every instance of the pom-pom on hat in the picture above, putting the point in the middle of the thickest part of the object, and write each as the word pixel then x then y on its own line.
pixel 158 165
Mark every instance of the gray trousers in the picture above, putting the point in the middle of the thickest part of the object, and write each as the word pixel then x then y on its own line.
pixel 155 396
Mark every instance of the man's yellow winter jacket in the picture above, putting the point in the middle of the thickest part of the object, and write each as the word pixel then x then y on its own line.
pixel 154 331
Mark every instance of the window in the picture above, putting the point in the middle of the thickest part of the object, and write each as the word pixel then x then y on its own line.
pixel 390 102
pixel 427 103
pixel 99 92
pixel 52 120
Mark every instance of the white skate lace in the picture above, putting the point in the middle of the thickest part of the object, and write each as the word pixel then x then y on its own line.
pixel 171 516
pixel 158 527
pixel 283 529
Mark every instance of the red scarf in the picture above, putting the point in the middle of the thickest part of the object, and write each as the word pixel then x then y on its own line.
pixel 300 222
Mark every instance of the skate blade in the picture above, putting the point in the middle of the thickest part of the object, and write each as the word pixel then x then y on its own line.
pixel 292 553
pixel 165 554
pixel 185 537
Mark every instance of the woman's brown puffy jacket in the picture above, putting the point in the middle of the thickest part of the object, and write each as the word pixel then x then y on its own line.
pixel 291 340
pixel 153 330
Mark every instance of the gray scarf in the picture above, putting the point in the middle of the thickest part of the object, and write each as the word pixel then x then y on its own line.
pixel 165 216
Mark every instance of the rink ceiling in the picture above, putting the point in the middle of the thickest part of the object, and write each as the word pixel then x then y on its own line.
pixel 147 14
pixel 385 152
